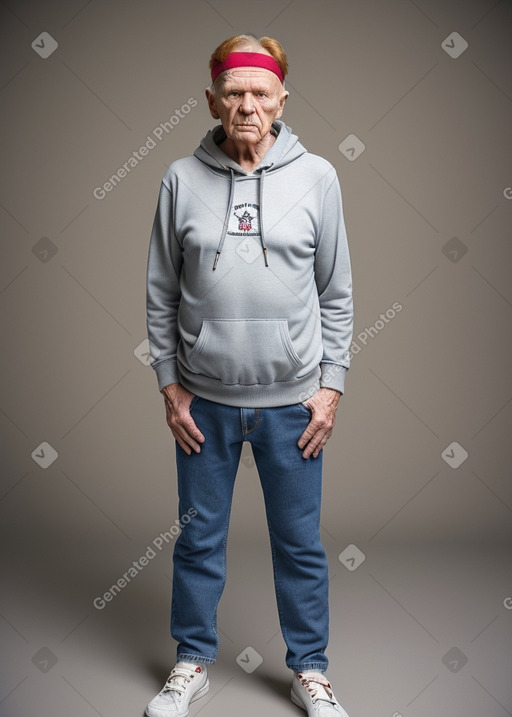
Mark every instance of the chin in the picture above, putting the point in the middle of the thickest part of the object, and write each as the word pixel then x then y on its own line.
pixel 249 135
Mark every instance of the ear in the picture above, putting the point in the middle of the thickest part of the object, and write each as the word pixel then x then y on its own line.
pixel 282 100
pixel 212 103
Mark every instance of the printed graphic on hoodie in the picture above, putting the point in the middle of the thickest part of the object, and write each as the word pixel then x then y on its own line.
pixel 245 220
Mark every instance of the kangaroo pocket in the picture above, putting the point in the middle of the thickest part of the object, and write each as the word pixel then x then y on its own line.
pixel 245 351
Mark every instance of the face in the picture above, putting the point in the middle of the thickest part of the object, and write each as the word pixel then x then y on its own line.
pixel 247 100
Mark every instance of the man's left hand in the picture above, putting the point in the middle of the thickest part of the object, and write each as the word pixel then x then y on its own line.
pixel 323 405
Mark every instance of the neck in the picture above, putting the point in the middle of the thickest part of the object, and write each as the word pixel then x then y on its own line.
pixel 248 155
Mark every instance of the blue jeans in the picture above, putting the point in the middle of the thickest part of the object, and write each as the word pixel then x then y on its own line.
pixel 292 488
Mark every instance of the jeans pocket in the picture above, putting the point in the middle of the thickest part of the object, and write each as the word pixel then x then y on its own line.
pixel 193 402
pixel 305 409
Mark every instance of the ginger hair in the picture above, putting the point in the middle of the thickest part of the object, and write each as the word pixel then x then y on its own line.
pixel 253 44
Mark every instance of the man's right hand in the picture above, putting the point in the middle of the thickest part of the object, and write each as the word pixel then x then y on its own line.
pixel 183 427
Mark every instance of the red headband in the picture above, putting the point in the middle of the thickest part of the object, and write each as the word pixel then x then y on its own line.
pixel 244 59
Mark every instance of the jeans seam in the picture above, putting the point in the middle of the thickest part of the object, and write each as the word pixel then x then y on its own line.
pixel 217 600
pixel 308 666
pixel 188 657
pixel 277 584
pixel 257 416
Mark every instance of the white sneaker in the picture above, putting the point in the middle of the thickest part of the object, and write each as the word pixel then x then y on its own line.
pixel 187 682
pixel 313 692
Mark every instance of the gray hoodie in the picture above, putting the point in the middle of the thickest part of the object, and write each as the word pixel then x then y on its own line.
pixel 249 286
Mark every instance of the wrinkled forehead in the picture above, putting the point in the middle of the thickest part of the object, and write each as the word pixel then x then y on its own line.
pixel 249 78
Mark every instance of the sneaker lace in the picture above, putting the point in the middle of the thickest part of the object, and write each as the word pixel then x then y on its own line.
pixel 320 689
pixel 177 680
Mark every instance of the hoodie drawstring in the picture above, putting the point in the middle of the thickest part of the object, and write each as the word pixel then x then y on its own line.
pixel 262 235
pixel 228 213
pixel 226 219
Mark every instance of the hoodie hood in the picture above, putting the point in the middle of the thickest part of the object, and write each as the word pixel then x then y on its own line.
pixel 286 149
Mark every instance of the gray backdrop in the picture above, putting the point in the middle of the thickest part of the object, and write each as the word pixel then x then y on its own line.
pixel 417 493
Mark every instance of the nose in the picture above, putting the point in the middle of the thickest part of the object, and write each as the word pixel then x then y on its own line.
pixel 247 104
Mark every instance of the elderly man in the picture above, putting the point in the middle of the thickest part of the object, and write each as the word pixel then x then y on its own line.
pixel 250 319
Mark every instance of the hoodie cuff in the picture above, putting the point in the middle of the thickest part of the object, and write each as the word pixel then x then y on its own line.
pixel 333 376
pixel 166 372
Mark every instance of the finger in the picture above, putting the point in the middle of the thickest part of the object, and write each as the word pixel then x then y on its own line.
pixel 310 445
pixel 309 432
pixel 184 445
pixel 322 444
pixel 311 450
pixel 308 451
pixel 191 427
pixel 316 444
pixel 184 428
pixel 182 433
pixel 319 448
